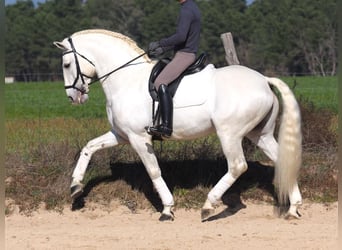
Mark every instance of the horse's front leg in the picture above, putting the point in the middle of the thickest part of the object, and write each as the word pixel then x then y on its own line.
pixel 143 146
pixel 109 139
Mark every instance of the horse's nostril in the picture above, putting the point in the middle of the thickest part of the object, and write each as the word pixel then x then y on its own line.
pixel 71 99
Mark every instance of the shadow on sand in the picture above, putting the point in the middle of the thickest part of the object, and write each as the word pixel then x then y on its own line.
pixel 187 175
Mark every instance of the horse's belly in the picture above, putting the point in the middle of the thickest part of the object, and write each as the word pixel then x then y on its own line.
pixel 192 122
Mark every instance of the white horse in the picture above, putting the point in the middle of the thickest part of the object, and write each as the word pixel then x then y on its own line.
pixel 233 101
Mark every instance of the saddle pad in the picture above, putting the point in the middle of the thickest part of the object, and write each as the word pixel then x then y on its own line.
pixel 194 89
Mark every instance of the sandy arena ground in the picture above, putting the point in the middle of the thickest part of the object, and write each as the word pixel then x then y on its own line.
pixel 253 227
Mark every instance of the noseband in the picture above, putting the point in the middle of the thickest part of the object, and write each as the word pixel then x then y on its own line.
pixel 81 75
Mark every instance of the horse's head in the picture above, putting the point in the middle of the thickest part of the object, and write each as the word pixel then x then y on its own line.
pixel 78 71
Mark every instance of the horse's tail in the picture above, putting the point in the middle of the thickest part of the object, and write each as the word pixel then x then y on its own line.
pixel 289 158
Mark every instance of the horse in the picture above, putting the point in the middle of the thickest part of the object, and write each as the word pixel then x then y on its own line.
pixel 232 101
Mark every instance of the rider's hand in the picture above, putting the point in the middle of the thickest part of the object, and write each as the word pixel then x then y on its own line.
pixel 155 50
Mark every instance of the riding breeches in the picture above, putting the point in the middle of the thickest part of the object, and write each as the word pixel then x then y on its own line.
pixel 173 69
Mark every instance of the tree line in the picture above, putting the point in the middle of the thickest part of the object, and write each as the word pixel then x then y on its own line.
pixel 283 37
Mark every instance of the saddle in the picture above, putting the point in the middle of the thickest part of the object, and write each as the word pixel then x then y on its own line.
pixel 197 66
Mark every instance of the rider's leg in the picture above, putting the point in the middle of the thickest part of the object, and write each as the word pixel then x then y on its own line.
pixel 166 108
pixel 179 63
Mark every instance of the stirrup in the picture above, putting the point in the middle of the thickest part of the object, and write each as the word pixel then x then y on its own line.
pixel 159 130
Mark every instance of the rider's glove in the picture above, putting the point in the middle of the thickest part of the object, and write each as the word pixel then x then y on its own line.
pixel 155 50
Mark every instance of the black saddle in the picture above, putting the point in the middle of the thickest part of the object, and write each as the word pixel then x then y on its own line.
pixel 197 66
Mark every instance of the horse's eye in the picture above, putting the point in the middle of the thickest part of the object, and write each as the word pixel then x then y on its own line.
pixel 66 65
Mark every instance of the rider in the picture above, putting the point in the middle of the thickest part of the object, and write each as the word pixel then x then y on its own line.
pixel 185 43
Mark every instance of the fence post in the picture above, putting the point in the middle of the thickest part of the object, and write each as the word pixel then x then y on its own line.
pixel 231 56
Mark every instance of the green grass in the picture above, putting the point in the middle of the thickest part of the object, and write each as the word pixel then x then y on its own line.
pixel 40 113
pixel 48 100
pixel 320 91
pixel 45 100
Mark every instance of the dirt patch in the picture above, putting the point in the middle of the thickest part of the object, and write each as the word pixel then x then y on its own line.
pixel 116 227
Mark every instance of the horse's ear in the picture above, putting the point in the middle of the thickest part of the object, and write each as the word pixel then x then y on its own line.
pixel 60 45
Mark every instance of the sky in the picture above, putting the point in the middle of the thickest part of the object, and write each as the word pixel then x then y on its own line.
pixel 14 1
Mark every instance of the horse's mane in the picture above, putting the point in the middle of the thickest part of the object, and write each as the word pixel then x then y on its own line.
pixel 126 39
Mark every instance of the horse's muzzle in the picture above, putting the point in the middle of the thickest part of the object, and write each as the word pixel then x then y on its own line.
pixel 79 99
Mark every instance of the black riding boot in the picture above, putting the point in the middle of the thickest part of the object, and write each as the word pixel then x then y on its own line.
pixel 166 109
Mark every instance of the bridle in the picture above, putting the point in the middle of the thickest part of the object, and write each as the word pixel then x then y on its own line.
pixel 81 75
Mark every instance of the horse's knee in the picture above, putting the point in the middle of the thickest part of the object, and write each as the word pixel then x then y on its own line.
pixel 86 152
pixel 154 173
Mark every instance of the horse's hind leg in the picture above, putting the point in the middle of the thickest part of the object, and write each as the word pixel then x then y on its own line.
pixel 268 144
pixel 107 140
pixel 237 165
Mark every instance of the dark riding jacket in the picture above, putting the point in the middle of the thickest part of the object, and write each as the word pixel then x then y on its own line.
pixel 187 36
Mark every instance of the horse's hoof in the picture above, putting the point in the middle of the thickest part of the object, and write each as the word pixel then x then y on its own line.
pixel 299 215
pixel 292 213
pixel 207 213
pixel 76 191
pixel 290 216
pixel 167 217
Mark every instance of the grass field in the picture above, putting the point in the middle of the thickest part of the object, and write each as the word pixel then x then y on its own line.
pixel 48 99
pixel 322 92
pixel 45 133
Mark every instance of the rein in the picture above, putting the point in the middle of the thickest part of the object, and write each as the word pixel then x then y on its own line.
pixel 118 68
pixel 81 75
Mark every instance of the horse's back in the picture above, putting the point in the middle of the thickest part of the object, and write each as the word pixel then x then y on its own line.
pixel 233 97
pixel 240 78
pixel 232 81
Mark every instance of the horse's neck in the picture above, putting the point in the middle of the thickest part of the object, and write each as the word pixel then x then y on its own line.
pixel 133 77
pixel 110 56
